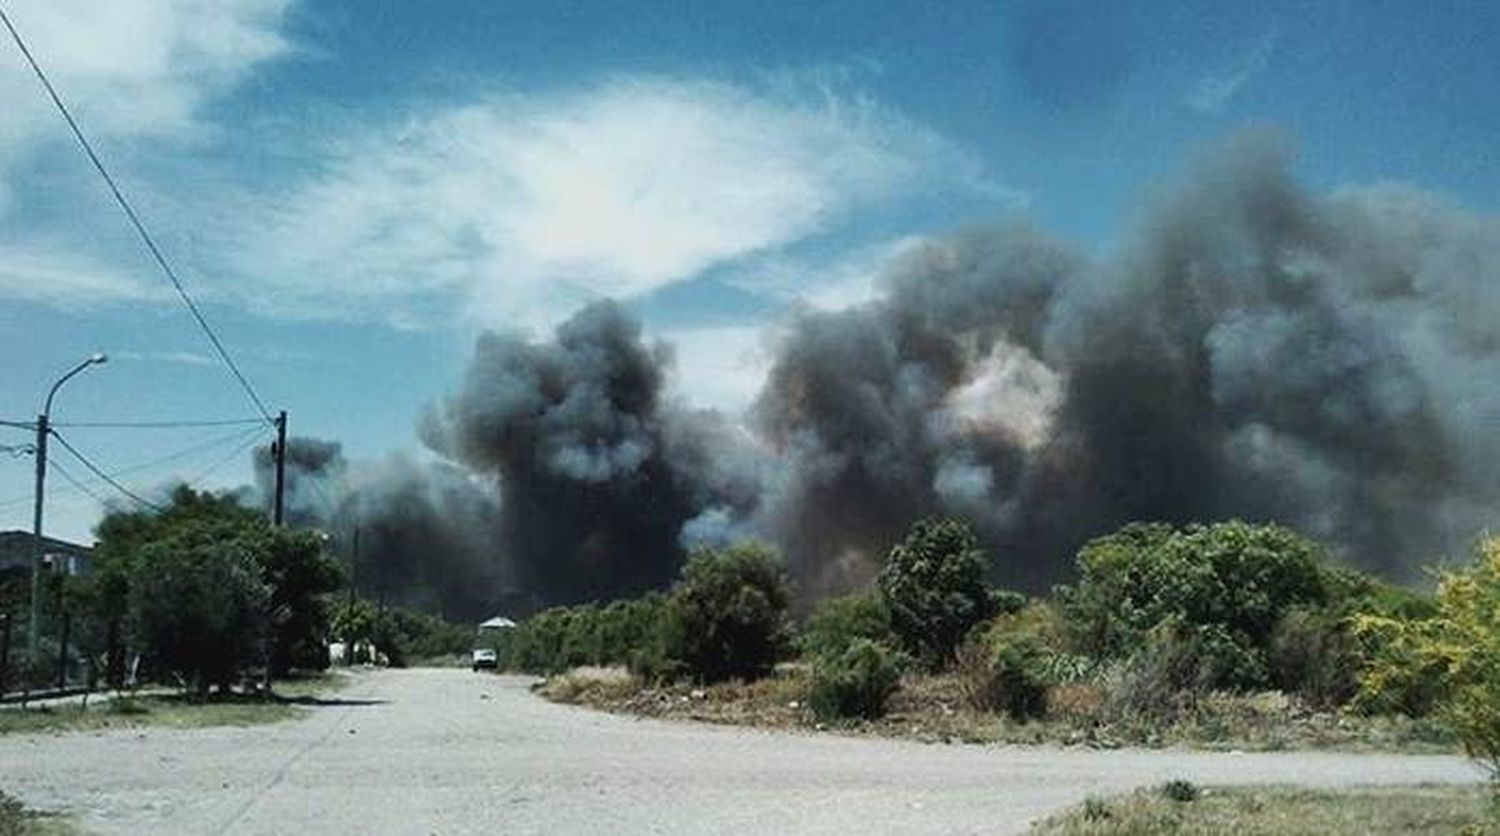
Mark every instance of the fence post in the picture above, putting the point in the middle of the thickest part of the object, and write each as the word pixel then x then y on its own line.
pixel 62 652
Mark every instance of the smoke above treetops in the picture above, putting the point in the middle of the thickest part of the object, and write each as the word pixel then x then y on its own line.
pixel 1253 350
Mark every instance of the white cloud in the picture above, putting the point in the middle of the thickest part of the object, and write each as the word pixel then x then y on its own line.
pixel 522 207
pixel 131 71
pixel 52 275
pixel 129 68
pixel 180 358
pixel 719 368
pixel 1213 92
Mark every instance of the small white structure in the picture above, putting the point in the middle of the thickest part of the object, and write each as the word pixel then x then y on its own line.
pixel 499 622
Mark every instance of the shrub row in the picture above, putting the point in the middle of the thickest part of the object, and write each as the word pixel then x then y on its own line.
pixel 724 618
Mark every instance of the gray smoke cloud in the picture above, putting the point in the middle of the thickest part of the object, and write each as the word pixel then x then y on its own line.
pixel 414 533
pixel 598 474
pixel 1253 350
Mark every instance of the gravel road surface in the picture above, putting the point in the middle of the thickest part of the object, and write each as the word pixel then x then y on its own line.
pixel 452 752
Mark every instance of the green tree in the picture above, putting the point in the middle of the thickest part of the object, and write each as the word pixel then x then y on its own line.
pixel 726 618
pixel 154 578
pixel 933 584
pixel 300 575
pixel 198 606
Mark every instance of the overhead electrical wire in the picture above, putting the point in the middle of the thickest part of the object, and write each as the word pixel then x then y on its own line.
pixel 77 485
pixel 94 469
pixel 135 221
pixel 220 462
pixel 159 425
pixel 238 436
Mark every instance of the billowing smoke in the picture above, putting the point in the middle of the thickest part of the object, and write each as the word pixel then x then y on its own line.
pixel 599 477
pixel 1253 350
pixel 413 533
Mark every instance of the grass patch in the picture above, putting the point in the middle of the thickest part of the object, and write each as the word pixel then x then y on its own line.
pixel 174 711
pixel 310 684
pixel 1173 809
pixel 126 712
pixel 17 820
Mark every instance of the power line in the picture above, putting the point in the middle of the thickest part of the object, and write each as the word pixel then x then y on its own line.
pixel 77 485
pixel 135 221
pixel 182 453
pixel 94 469
pixel 218 463
pixel 159 425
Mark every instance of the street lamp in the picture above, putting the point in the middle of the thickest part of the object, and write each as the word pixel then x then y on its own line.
pixel 33 635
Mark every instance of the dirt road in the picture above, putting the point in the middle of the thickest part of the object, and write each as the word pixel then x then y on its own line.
pixel 450 752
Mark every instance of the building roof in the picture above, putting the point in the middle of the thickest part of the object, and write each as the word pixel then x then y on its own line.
pixel 15 548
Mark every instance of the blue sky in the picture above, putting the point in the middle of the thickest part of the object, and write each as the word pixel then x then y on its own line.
pixel 354 191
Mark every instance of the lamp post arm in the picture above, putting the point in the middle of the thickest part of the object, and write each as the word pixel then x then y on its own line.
pixel 47 407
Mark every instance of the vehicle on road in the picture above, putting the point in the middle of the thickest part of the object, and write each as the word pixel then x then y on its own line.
pixel 485 657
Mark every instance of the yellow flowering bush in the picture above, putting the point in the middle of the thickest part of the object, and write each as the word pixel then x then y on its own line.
pixel 1449 663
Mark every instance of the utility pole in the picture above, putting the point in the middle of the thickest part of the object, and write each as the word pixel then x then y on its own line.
pixel 350 636
pixel 34 635
pixel 279 453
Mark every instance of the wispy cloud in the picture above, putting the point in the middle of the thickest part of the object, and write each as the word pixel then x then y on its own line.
pixel 180 358
pixel 46 272
pixel 129 68
pixel 134 72
pixel 519 207
pixel 1212 93
pixel 509 208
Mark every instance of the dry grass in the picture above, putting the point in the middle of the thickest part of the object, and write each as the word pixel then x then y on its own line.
pixel 934 708
pixel 1279 810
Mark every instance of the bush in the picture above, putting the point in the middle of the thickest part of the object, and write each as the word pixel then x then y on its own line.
pixel 1007 673
pixel 933 584
pixel 1313 655
pixel 1007 602
pixel 1226 584
pixel 837 622
pixel 1173 667
pixel 1180 790
pixel 1451 661
pixel 726 617
pixel 856 682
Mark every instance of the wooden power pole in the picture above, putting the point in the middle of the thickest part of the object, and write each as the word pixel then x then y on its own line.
pixel 279 454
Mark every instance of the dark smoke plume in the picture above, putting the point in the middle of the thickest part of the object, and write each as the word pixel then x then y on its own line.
pixel 1256 351
pixel 1328 361
pixel 598 476
pixel 414 534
